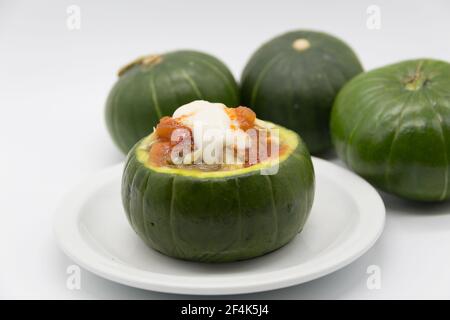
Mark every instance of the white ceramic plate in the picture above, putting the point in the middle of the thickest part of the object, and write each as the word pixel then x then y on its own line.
pixel 346 220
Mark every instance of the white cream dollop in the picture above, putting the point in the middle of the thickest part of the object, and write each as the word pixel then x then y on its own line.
pixel 212 127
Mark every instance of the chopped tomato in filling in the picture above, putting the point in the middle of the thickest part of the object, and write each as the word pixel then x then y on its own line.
pixel 246 118
pixel 243 115
pixel 160 153
pixel 166 128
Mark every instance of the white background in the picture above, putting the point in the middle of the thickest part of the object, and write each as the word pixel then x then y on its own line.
pixel 53 85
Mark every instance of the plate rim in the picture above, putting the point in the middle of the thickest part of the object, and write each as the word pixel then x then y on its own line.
pixel 69 239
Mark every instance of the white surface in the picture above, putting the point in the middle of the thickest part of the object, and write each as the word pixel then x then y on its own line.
pixel 346 219
pixel 53 84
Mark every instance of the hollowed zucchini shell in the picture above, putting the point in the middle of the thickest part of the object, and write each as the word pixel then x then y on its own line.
pixel 392 126
pixel 223 215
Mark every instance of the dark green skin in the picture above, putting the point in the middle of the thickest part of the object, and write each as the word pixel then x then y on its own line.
pixel 219 219
pixel 145 93
pixel 392 126
pixel 296 88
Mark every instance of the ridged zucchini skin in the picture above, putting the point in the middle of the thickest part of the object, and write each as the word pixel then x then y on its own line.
pixel 392 126
pixel 156 86
pixel 296 88
pixel 218 219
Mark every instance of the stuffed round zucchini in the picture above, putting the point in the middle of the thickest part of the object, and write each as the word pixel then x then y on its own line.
pixel 216 184
pixel 392 126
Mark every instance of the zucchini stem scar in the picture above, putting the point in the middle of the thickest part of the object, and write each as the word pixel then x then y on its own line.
pixel 143 60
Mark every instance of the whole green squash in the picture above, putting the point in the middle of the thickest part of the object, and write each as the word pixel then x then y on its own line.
pixel 218 216
pixel 392 126
pixel 293 79
pixel 154 86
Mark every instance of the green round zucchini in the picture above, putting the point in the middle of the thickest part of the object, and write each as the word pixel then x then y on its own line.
pixel 154 86
pixel 293 79
pixel 392 126
pixel 219 216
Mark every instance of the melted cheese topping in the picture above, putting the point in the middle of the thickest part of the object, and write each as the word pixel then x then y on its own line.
pixel 212 124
